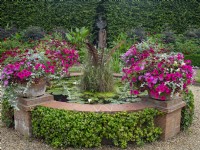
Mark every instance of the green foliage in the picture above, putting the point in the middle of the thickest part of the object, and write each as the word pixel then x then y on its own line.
pixel 68 89
pixel 78 38
pixel 59 32
pixel 97 73
pixel 33 33
pixel 152 15
pixel 187 47
pixel 15 42
pixel 97 79
pixel 168 37
pixel 48 14
pixel 116 61
pixel 62 128
pixel 187 114
pixel 137 35
pixel 8 44
pixel 193 33
pixel 194 58
pixel 7 32
pixel 121 16
pixel 197 76
pixel 7 113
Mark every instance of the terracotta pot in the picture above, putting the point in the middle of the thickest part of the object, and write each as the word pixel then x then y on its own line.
pixel 167 97
pixel 34 90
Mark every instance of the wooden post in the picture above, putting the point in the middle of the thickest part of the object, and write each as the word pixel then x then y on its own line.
pixel 102 39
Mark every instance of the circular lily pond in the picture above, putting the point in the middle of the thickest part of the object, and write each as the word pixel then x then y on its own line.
pixel 68 90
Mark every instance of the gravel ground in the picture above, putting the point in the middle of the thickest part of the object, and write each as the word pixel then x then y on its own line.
pixel 190 140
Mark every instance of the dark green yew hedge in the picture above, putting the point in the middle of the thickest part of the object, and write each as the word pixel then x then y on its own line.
pixel 121 15
pixel 62 128
pixel 48 13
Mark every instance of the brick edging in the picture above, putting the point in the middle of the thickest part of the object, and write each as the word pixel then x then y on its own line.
pixel 109 108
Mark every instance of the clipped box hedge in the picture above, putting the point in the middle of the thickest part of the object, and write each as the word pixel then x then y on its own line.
pixel 62 128
pixel 195 58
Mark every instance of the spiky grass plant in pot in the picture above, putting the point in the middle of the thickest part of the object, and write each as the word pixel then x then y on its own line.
pixel 97 73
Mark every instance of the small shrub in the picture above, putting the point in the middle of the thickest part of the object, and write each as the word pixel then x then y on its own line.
pixel 187 47
pixel 7 114
pixel 33 33
pixel 62 128
pixel 138 34
pixel 187 114
pixel 6 33
pixel 193 33
pixel 59 31
pixel 168 37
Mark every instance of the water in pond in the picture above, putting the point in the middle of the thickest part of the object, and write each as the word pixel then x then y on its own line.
pixel 67 90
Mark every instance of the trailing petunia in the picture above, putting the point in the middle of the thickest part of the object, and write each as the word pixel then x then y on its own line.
pixel 159 73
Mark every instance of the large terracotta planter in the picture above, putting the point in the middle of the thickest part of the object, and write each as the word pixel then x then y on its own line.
pixel 34 90
pixel 167 96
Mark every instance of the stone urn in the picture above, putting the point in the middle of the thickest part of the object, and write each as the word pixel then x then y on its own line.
pixel 32 90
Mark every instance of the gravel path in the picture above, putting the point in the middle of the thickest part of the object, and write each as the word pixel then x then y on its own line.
pixel 190 140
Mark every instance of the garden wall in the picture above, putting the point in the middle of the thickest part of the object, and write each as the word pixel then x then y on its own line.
pixel 110 118
pixel 120 15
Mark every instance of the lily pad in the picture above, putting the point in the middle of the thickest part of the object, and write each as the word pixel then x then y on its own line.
pixel 69 87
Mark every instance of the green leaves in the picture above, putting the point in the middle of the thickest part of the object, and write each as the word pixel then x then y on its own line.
pixel 69 37
pixel 78 36
pixel 120 15
pixel 187 114
pixel 195 58
pixel 7 113
pixel 80 129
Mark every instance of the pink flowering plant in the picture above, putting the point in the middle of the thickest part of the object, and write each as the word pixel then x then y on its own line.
pixel 161 74
pixel 30 65
pixel 62 54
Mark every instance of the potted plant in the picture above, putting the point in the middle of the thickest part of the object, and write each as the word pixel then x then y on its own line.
pixel 162 74
pixel 27 71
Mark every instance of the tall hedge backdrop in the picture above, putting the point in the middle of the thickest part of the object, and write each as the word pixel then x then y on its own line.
pixel 121 15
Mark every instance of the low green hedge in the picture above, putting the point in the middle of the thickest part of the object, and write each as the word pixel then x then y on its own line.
pixel 187 114
pixel 62 128
pixel 67 128
pixel 7 114
pixel 194 58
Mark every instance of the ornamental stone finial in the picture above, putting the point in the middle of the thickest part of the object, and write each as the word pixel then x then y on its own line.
pixel 101 24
